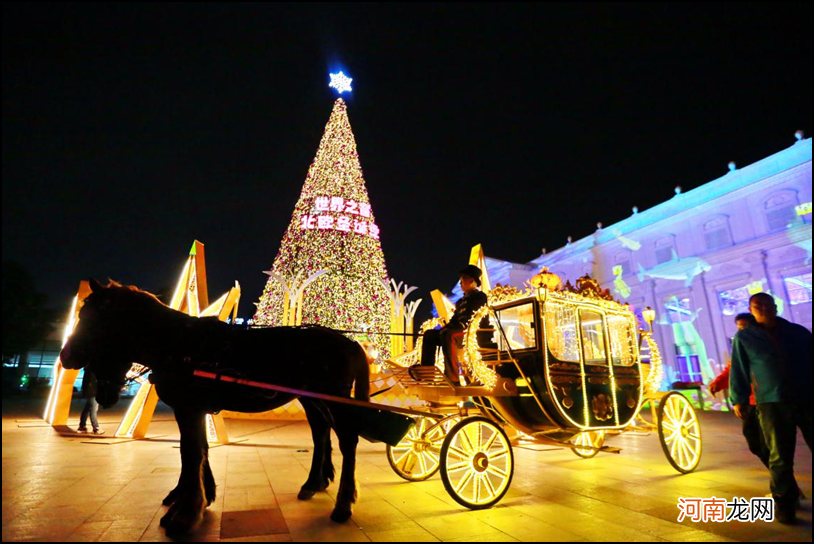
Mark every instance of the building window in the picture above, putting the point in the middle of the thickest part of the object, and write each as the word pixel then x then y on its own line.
pixel 735 301
pixel 665 248
pixel 717 234
pixel 678 310
pixel 780 210
pixel 799 289
pixel 622 260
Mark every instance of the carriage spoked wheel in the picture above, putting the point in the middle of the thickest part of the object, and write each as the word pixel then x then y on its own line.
pixel 418 456
pixel 679 432
pixel 477 463
pixel 594 439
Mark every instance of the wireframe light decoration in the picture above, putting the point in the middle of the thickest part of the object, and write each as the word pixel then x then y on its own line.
pixel 340 82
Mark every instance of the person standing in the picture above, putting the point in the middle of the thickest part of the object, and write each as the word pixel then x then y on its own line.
pixel 751 424
pixel 775 358
pixel 89 389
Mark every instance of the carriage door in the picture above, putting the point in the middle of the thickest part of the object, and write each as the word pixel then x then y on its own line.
pixel 598 389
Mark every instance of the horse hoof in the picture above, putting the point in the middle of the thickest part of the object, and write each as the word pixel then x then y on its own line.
pixel 210 497
pixel 340 515
pixel 306 494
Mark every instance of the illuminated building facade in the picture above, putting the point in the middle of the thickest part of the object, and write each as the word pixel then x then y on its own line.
pixel 698 257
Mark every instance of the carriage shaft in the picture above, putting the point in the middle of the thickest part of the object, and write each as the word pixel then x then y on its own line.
pixel 311 394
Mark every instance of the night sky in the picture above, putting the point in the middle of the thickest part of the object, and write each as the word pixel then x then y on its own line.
pixel 130 131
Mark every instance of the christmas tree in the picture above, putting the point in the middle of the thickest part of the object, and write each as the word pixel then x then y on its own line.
pixel 333 230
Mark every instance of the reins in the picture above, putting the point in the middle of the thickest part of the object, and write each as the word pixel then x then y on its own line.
pixel 344 331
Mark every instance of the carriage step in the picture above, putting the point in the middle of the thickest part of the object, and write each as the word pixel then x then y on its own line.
pixel 427 375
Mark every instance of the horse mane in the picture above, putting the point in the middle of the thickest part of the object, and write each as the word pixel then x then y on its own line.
pixel 132 289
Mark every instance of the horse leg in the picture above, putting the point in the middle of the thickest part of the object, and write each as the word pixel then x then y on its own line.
pixel 348 493
pixel 322 469
pixel 189 495
pixel 328 472
pixel 208 480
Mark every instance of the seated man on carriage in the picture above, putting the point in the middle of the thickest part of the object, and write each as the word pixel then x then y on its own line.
pixel 465 308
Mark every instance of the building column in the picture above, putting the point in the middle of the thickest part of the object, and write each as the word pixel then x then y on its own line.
pixel 712 318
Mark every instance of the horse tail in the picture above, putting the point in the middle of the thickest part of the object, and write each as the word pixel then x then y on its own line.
pixel 362 374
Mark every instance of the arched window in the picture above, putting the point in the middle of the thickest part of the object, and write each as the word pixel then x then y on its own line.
pixel 622 260
pixel 665 247
pixel 779 208
pixel 717 233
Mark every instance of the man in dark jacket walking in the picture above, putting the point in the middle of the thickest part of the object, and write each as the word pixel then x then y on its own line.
pixel 776 361
pixel 465 308
pixel 89 389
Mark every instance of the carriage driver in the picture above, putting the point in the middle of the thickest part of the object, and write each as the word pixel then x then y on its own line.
pixel 465 308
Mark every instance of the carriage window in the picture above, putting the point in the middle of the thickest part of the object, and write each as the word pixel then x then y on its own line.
pixel 622 340
pixel 561 331
pixel 593 338
pixel 517 323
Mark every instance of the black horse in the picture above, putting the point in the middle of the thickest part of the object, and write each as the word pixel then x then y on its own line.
pixel 119 325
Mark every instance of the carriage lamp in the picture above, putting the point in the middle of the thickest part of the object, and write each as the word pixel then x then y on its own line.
pixel 649 315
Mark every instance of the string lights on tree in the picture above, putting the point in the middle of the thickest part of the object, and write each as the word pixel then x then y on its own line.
pixel 333 228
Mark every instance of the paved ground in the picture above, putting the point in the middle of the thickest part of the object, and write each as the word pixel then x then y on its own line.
pixel 61 488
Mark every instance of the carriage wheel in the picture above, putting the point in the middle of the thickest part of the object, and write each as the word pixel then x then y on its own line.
pixel 595 439
pixel 477 463
pixel 417 456
pixel 679 432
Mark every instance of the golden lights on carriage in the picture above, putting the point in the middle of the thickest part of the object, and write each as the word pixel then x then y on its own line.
pixel 546 279
pixel 410 358
pixel 680 432
pixel 472 356
pixel 652 382
pixel 478 462
pixel 418 455
pixel 622 326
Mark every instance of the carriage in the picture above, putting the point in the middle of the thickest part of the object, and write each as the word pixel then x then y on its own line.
pixel 560 366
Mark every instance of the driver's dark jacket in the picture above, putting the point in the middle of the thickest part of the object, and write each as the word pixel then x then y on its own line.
pixel 465 308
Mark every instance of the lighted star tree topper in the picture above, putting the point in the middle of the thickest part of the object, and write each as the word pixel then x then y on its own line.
pixel 340 82
pixel 333 229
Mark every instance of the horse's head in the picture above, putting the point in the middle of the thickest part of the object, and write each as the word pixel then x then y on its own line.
pixel 107 336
